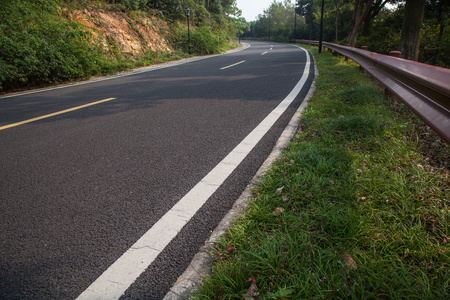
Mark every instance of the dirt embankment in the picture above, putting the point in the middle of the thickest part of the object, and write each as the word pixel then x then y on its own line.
pixel 128 33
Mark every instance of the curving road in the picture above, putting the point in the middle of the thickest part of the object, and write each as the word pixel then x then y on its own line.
pixel 108 189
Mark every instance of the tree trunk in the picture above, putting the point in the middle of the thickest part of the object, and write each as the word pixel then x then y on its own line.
pixel 310 30
pixel 375 9
pixel 337 4
pixel 336 26
pixel 362 9
pixel 412 25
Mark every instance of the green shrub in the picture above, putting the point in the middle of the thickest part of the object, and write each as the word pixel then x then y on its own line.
pixel 41 47
pixel 204 40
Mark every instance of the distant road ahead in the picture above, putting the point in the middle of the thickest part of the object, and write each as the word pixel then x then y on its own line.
pixel 110 188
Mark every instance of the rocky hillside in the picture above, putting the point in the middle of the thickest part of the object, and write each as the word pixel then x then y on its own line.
pixel 126 32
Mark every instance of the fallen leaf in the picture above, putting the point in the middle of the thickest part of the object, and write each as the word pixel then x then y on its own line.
pixel 331 182
pixel 252 291
pixel 230 248
pixel 285 199
pixel 278 211
pixel 351 263
pixel 380 236
pixel 280 189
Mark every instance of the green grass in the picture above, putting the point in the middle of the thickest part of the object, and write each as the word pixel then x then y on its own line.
pixel 351 210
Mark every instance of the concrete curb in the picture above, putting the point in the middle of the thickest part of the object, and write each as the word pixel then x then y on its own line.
pixel 201 264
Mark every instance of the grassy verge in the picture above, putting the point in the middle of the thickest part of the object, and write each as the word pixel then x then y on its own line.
pixel 352 209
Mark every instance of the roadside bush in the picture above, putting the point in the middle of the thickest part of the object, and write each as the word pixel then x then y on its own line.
pixel 132 4
pixel 204 40
pixel 40 47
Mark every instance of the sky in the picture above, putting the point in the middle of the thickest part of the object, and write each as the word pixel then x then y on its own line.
pixel 252 8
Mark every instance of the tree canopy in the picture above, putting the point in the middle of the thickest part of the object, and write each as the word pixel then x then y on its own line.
pixel 373 23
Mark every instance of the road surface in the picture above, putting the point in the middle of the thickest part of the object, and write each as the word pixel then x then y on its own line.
pixel 108 189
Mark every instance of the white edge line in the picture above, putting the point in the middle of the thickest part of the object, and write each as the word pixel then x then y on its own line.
pixel 130 73
pixel 125 270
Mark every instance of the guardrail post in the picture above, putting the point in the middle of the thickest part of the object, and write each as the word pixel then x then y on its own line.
pixel 395 54
pixel 346 58
pixel 363 48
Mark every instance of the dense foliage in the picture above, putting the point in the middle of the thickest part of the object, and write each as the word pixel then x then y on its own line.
pixel 380 29
pixel 41 45
pixel 38 46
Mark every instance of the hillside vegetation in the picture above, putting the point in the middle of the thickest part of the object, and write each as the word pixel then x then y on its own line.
pixel 45 42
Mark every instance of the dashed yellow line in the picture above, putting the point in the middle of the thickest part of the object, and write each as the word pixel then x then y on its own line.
pixel 233 65
pixel 54 114
pixel 264 53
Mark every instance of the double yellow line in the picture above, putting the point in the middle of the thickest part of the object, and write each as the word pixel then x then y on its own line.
pixel 54 114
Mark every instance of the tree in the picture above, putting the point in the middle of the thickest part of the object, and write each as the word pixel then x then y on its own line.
pixel 375 9
pixel 364 10
pixel 337 5
pixel 412 25
pixel 305 8
pixel 437 12
pixel 360 12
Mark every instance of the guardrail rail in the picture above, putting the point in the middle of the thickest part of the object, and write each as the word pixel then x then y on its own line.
pixel 424 88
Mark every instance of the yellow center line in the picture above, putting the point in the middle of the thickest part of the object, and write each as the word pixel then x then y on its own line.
pixel 232 65
pixel 264 53
pixel 54 114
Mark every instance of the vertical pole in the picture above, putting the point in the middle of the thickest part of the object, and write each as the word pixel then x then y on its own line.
pixel 188 12
pixel 321 28
pixel 189 36
pixel 295 23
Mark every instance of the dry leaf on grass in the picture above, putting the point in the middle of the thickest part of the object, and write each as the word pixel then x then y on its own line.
pixel 252 291
pixel 278 211
pixel 380 236
pixel 351 263
pixel 280 190
pixel 230 248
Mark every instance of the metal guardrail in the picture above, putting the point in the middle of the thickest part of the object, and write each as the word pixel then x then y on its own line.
pixel 424 88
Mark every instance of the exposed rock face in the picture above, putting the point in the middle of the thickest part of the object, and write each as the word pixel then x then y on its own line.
pixel 130 33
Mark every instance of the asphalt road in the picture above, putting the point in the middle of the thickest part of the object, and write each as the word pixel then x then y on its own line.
pixel 78 189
